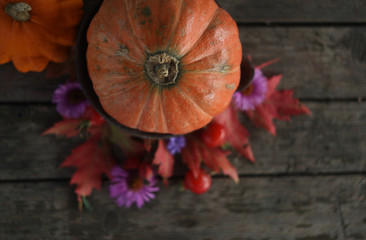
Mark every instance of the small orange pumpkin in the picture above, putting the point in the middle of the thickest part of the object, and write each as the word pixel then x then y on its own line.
pixel 34 32
pixel 163 66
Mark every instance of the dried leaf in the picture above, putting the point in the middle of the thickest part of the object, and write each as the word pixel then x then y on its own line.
pixel 213 158
pixel 236 134
pixel 277 105
pixel 91 161
pixel 216 159
pixel 192 156
pixel 165 160
pixel 68 128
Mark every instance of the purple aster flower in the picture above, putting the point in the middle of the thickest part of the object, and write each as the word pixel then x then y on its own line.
pixel 253 95
pixel 176 144
pixel 70 100
pixel 129 187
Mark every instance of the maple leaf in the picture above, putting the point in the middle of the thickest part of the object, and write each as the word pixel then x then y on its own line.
pixel 68 128
pixel 277 105
pixel 236 134
pixel 165 160
pixel 214 158
pixel 91 161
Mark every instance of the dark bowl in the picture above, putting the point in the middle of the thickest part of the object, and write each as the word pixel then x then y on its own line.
pixel 87 85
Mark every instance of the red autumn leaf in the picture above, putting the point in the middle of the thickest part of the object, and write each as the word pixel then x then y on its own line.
pixel 148 143
pixel 236 134
pixel 96 132
pixel 272 83
pixel 192 156
pixel 165 160
pixel 145 171
pixel 91 161
pixel 216 159
pixel 277 105
pixel 68 128
pixel 213 158
pixel 265 64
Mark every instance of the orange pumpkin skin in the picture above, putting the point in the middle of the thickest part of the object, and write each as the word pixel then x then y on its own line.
pixel 124 37
pixel 45 35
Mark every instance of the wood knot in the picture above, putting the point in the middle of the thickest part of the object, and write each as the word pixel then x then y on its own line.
pixel 18 11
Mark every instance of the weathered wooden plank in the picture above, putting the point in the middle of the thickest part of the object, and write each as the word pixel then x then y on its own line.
pixel 289 11
pixel 300 208
pixel 332 141
pixel 317 62
pixel 353 211
pixel 29 87
pixel 24 152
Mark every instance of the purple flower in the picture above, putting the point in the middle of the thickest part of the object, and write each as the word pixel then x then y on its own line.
pixel 253 95
pixel 70 100
pixel 129 187
pixel 176 144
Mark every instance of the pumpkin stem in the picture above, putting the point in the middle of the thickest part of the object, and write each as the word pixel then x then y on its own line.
pixel 18 11
pixel 162 68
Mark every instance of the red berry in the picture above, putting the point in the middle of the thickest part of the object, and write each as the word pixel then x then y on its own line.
pixel 213 135
pixel 199 184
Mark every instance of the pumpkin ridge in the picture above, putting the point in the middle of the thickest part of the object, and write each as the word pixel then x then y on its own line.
pixel 147 121
pixel 203 33
pixel 163 118
pixel 51 37
pixel 50 50
pixel 24 61
pixel 198 60
pixel 126 55
pixel 192 101
pixel 212 71
pixel 174 29
pixel 143 108
pixel 122 91
pixel 157 106
pixel 111 30
pixel 140 43
pixel 5 23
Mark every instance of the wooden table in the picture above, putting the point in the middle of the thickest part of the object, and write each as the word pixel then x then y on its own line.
pixel 308 183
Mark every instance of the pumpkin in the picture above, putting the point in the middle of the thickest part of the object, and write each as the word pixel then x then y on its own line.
pixel 163 66
pixel 34 32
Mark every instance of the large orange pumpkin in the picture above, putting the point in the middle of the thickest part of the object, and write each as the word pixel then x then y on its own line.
pixel 34 32
pixel 163 66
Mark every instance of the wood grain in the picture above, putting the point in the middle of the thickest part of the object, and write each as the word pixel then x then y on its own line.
pixel 290 11
pixel 317 62
pixel 25 87
pixel 289 208
pixel 332 141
